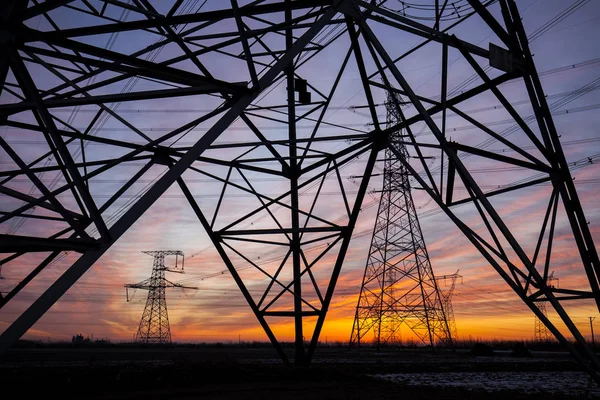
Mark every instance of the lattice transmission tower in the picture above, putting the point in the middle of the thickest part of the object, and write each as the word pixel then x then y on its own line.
pixel 399 286
pixel 154 326
pixel 447 301
pixel 540 331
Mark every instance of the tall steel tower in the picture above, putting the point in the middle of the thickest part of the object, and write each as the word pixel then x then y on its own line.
pixel 399 285
pixel 447 302
pixel 154 325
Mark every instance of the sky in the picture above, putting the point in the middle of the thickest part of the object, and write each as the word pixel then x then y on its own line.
pixel 566 57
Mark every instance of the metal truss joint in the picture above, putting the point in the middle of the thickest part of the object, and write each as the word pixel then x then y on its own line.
pixel 162 156
pixel 349 8
pixel 504 60
pixel 381 139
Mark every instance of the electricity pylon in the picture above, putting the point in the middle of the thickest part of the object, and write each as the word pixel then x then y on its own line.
pixel 84 59
pixel 447 301
pixel 154 325
pixel 399 285
pixel 540 331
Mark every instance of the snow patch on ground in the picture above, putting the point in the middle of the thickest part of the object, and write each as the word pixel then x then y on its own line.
pixel 570 383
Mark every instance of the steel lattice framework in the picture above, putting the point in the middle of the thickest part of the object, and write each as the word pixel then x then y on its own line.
pixel 447 302
pixel 154 325
pixel 399 286
pixel 242 65
pixel 540 331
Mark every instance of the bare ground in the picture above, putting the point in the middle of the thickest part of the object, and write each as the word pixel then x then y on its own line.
pixel 255 373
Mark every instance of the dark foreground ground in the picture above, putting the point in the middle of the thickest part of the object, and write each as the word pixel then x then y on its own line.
pixel 255 373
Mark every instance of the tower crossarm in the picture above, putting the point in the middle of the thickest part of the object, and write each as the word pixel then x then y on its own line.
pixel 178 285
pixel 447 294
pixel 145 284
pixel 164 253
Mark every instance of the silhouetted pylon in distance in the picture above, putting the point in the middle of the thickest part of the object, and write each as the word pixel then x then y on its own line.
pixel 540 331
pixel 447 302
pixel 154 325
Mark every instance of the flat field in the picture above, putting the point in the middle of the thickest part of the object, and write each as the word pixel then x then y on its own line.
pixel 246 372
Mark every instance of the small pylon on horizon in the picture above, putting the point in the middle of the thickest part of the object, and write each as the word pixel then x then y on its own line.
pixel 154 325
